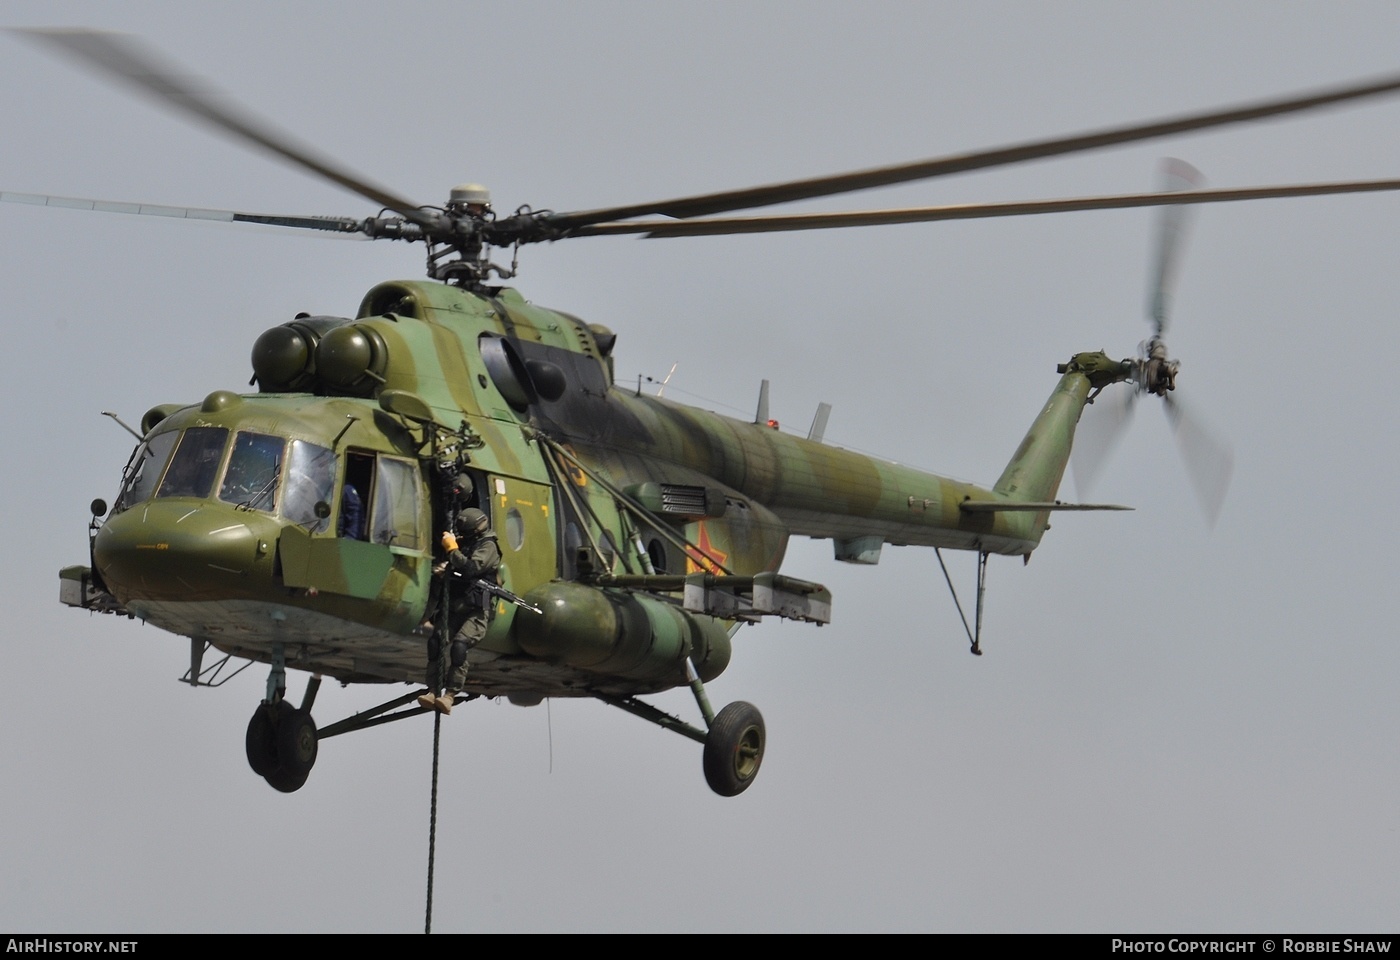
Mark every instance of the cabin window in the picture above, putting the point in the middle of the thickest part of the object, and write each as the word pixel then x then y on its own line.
pixel 310 480
pixel 145 469
pixel 515 529
pixel 195 464
pixel 394 520
pixel 354 496
pixel 253 472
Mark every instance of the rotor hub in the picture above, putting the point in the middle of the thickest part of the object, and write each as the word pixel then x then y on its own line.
pixel 465 196
pixel 1157 373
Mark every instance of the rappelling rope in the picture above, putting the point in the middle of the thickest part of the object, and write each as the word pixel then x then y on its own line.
pixel 444 629
pixel 432 822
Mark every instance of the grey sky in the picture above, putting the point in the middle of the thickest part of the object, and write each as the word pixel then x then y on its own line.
pixel 1174 728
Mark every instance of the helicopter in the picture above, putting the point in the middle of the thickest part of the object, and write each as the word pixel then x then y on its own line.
pixel 643 530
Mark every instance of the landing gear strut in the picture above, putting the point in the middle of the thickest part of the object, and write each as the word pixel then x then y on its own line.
pixel 734 740
pixel 734 745
pixel 282 740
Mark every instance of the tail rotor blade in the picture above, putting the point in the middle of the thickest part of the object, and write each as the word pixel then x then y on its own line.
pixel 1171 229
pixel 1100 429
pixel 1209 460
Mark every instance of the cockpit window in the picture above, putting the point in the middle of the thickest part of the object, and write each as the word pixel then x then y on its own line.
pixel 310 479
pixel 195 464
pixel 253 471
pixel 145 468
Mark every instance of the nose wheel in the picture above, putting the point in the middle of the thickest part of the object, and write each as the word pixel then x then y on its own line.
pixel 282 741
pixel 261 741
pixel 281 744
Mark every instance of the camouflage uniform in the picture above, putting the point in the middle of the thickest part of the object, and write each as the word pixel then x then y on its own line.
pixel 470 608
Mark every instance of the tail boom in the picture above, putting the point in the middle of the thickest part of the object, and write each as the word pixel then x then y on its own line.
pixel 821 491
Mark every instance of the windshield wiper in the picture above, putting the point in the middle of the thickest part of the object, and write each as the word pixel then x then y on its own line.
pixel 267 488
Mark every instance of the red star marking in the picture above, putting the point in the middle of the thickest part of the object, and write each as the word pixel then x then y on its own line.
pixel 707 558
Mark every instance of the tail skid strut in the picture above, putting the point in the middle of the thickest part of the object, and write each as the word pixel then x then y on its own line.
pixel 974 637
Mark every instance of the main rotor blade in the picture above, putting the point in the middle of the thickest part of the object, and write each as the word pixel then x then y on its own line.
pixel 1101 427
pixel 712 203
pixel 123 57
pixel 330 224
pixel 1176 175
pixel 723 226
pixel 1209 460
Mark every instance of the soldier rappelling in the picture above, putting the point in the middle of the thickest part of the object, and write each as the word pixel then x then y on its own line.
pixel 473 557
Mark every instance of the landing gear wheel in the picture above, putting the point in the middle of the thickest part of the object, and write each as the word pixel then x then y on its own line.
pixel 261 740
pixel 734 749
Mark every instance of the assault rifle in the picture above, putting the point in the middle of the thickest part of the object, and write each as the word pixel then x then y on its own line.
pixel 496 590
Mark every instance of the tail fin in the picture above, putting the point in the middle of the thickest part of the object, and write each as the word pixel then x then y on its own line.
pixel 1038 466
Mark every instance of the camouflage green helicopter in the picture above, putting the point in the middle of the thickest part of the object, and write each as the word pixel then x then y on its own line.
pixel 299 526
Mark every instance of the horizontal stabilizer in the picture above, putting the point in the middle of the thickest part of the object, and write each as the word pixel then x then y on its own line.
pixel 1028 506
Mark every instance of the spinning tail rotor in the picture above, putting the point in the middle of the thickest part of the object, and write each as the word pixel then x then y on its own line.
pixel 1209 461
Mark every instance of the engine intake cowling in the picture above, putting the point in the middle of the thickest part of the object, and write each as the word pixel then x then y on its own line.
pixel 284 358
pixel 320 355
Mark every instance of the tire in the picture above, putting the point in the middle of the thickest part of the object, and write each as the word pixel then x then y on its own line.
pixel 296 744
pixel 261 740
pixel 734 749
pixel 286 781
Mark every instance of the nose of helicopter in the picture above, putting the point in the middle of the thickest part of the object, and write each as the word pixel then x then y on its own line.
pixel 185 550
